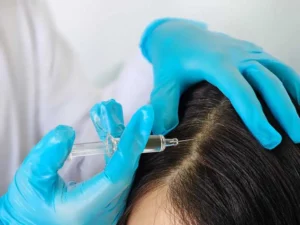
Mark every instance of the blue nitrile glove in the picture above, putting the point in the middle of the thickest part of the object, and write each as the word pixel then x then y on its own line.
pixel 185 52
pixel 108 119
pixel 38 195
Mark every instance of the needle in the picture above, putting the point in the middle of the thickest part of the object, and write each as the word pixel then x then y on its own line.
pixel 180 141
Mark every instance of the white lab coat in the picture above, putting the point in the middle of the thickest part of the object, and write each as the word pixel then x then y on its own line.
pixel 42 86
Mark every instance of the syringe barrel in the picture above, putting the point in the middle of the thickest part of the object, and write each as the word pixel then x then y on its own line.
pixel 156 143
pixel 88 149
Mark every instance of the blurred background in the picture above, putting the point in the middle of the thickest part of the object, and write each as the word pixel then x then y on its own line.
pixel 106 32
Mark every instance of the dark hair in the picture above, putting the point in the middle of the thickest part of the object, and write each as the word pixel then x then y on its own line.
pixel 223 176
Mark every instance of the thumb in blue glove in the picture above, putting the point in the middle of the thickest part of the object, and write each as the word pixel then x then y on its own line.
pixel 185 52
pixel 38 195
pixel 108 120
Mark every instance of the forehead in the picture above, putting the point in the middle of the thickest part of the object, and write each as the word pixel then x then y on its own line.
pixel 153 209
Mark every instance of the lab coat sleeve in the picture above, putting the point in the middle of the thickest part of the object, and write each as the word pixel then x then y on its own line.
pixel 65 96
pixel 134 84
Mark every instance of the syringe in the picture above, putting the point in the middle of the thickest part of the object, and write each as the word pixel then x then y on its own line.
pixel 156 143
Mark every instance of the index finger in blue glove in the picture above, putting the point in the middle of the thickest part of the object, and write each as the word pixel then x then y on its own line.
pixel 165 102
pixel 107 117
pixel 48 156
pixel 119 173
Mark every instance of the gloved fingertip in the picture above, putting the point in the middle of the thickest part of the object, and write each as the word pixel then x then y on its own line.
pixel 296 140
pixel 64 133
pixel 107 117
pixel 144 118
pixel 94 113
pixel 270 139
pixel 65 129
pixel 49 155
pixel 148 119
pixel 60 134
pixel 270 145
pixel 147 112
pixel 99 110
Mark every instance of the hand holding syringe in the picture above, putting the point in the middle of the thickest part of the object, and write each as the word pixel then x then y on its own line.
pixel 156 143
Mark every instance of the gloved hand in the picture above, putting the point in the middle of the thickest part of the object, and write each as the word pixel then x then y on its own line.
pixel 185 52
pixel 38 195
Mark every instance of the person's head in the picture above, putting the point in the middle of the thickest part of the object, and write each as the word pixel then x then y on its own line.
pixel 221 176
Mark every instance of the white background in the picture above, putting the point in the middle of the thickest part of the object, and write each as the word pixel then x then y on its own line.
pixel 105 32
